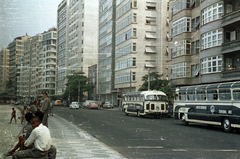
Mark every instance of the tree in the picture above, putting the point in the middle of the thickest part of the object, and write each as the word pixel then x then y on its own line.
pixel 73 85
pixel 156 83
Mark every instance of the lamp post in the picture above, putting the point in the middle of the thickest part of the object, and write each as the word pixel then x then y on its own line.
pixel 79 91
pixel 148 79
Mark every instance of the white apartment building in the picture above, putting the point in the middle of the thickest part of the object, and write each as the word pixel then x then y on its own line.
pixel 78 46
pixel 47 63
pixel 141 43
pixel 4 62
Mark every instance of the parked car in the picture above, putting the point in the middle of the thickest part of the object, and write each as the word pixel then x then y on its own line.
pixel 16 103
pixel 74 105
pixel 58 102
pixel 93 105
pixel 80 105
pixel 107 105
pixel 85 105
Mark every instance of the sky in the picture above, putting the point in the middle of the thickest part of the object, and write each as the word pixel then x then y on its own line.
pixel 21 17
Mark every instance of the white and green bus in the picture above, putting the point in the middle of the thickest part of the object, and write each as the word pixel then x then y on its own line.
pixel 144 103
pixel 211 104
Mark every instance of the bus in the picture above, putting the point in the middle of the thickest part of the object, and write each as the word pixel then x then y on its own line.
pixel 211 104
pixel 144 103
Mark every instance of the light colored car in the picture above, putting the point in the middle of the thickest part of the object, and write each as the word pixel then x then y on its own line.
pixel 107 105
pixel 93 105
pixel 74 105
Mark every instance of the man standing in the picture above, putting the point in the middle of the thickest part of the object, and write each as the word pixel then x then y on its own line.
pixel 13 115
pixel 41 139
pixel 45 108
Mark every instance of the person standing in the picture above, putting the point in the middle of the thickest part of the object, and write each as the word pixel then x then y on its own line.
pixel 13 115
pixel 40 137
pixel 23 114
pixel 45 108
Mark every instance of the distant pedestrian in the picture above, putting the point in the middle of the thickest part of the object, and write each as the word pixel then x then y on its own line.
pixel 22 114
pixel 45 108
pixel 13 115
pixel 33 108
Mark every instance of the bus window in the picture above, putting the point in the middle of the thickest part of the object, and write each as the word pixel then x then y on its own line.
pixel 176 96
pixel 142 97
pixel 162 106
pixel 224 94
pixel 182 95
pixel 138 97
pixel 161 97
pixel 147 106
pixel 236 94
pixel 212 95
pixel 201 95
pixel 191 95
pixel 151 97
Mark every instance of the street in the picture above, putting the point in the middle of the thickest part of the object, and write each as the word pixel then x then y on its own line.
pixel 135 137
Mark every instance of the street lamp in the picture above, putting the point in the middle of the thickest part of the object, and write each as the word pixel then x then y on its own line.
pixel 79 91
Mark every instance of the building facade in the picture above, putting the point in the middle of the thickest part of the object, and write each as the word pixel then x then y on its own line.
pixel 78 45
pixel 141 43
pixel 4 66
pixel 16 49
pixel 106 56
pixel 203 41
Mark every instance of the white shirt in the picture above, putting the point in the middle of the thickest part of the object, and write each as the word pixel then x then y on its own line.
pixel 41 138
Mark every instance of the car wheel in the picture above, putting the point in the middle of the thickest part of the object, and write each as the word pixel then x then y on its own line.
pixel 183 119
pixel 227 125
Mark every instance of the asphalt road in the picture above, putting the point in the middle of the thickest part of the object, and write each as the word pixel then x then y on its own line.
pixel 136 137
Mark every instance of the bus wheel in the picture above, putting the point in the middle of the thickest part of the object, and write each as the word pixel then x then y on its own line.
pixel 227 125
pixel 138 113
pixel 183 119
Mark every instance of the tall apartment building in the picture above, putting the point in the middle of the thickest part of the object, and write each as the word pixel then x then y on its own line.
pixel 204 41
pixel 106 56
pixel 78 45
pixel 62 58
pixel 4 66
pixel 16 49
pixel 47 63
pixel 141 43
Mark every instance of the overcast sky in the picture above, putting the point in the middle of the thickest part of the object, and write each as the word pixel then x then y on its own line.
pixel 18 17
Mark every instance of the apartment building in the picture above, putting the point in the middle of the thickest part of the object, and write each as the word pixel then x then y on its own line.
pixel 78 46
pixel 62 62
pixel 4 66
pixel 16 49
pixel 141 43
pixel 47 64
pixel 203 43
pixel 106 56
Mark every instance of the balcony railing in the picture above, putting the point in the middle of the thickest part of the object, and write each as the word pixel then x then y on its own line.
pixel 231 74
pixel 231 18
pixel 231 46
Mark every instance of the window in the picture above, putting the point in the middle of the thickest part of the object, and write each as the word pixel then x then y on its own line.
pixel 211 39
pixel 151 5
pixel 179 5
pixel 212 95
pixel 212 64
pixel 181 25
pixel 134 17
pixel 212 13
pixel 193 47
pixel 134 32
pixel 191 95
pixel 192 70
pixel 180 48
pixel 151 20
pixel 134 61
pixel 134 5
pixel 224 94
pixel 236 94
pixel 197 46
pixel 179 70
pixel 134 47
pixel 133 76
pixel 201 94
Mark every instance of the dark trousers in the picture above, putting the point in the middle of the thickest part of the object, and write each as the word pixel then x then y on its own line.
pixel 28 153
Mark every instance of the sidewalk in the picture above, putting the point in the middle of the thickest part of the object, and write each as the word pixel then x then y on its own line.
pixel 74 143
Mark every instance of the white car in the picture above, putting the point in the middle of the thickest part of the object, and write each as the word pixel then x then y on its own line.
pixel 107 105
pixel 74 105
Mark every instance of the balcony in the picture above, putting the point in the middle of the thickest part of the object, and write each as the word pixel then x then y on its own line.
pixel 231 18
pixel 231 46
pixel 230 75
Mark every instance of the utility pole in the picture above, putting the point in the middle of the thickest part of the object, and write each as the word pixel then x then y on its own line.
pixel 79 91
pixel 148 79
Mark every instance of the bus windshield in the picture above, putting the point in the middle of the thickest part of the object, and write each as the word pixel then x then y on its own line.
pixel 156 97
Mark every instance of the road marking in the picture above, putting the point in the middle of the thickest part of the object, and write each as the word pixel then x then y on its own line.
pixel 224 150
pixel 179 150
pixel 145 147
